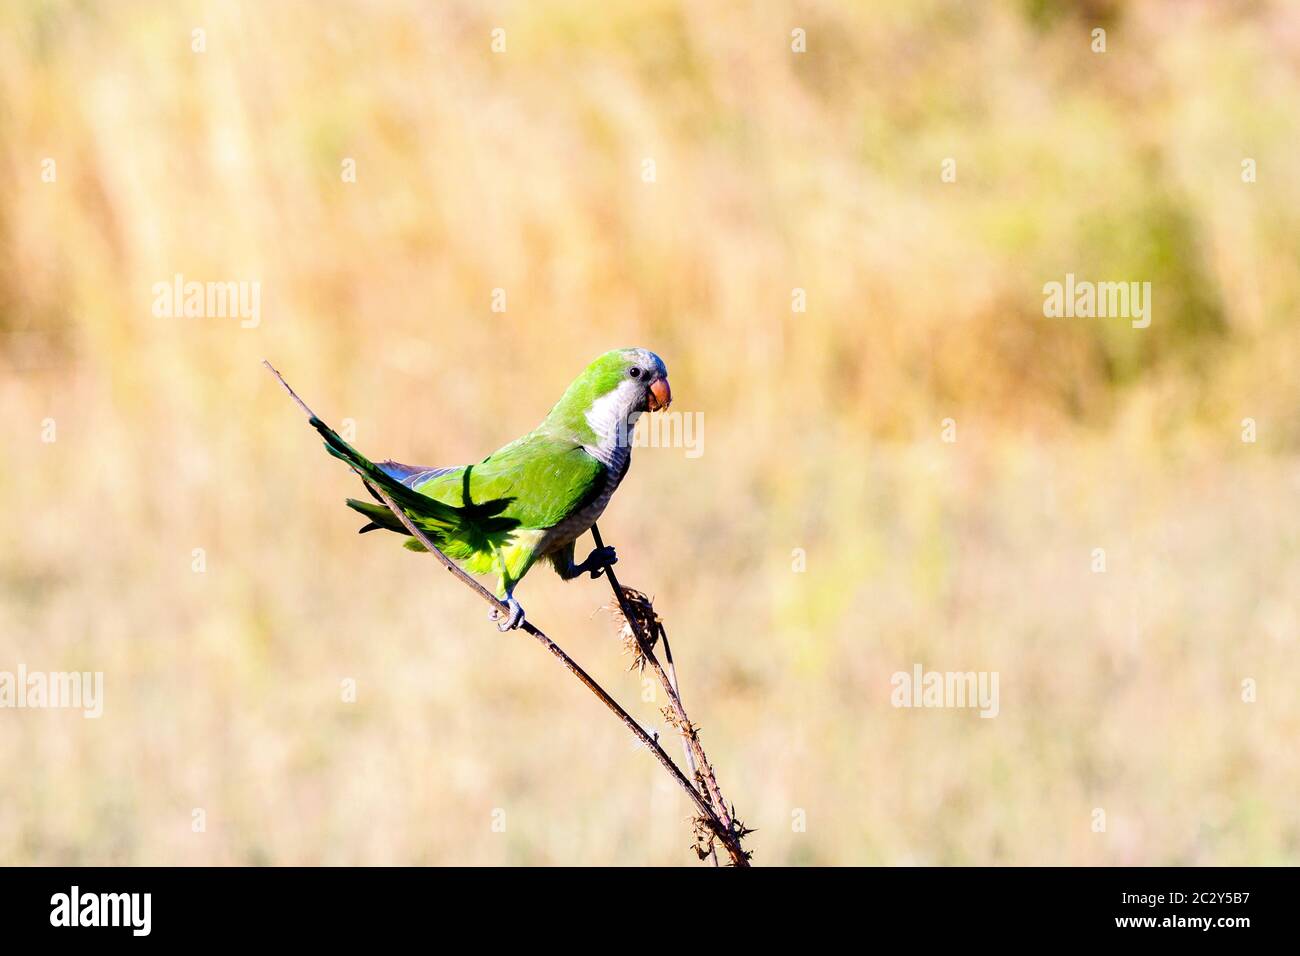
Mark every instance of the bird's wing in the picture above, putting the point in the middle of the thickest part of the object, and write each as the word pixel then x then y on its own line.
pixel 412 475
pixel 528 486
pixel 544 479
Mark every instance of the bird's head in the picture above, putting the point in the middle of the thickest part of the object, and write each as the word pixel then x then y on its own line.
pixel 637 376
pixel 625 382
pixel 613 390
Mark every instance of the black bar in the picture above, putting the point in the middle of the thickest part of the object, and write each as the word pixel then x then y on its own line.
pixel 330 906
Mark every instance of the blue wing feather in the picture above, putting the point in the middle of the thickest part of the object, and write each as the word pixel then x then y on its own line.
pixel 411 475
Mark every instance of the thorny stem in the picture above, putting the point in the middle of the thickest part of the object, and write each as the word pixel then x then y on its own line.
pixel 689 732
pixel 711 819
pixel 686 747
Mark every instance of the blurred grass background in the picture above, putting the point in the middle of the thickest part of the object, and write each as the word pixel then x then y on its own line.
pixel 775 171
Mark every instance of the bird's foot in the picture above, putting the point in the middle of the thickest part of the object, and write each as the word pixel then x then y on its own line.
pixel 599 560
pixel 513 617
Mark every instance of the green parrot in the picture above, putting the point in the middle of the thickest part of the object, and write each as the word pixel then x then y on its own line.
pixel 532 498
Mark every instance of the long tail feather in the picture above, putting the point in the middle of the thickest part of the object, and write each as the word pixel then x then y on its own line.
pixel 379 515
pixel 433 513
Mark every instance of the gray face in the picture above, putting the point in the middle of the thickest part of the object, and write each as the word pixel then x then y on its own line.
pixel 646 386
pixel 647 361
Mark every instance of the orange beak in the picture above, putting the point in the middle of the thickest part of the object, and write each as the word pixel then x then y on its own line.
pixel 661 396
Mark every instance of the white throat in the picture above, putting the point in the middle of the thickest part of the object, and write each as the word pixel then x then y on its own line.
pixel 609 417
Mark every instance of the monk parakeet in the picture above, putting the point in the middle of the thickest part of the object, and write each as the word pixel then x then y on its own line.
pixel 532 498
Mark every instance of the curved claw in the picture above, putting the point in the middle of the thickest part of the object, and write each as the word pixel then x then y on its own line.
pixel 600 559
pixel 513 619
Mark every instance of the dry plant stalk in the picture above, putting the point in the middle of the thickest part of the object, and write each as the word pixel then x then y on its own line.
pixel 642 629
pixel 710 827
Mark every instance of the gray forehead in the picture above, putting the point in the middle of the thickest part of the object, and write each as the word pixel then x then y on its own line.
pixel 650 360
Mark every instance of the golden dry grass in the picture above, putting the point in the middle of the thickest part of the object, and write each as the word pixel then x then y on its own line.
pixel 775 171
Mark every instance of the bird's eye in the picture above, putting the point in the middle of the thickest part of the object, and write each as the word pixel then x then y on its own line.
pixel 634 372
